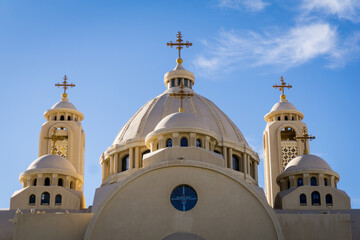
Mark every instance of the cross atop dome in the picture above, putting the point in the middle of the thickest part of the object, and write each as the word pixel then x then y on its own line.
pixel 305 137
pixel 179 45
pixel 65 86
pixel 181 95
pixel 282 87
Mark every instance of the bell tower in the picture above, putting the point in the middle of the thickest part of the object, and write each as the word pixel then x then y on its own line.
pixel 281 140
pixel 62 133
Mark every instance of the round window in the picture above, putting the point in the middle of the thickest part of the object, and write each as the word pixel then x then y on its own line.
pixel 183 198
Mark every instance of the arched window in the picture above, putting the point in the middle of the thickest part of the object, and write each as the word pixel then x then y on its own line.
pixel 32 199
pixel 329 200
pixel 47 182
pixel 179 80
pixel 62 118
pixel 71 185
pixel 60 182
pixel 186 81
pixel 303 200
pixel 58 199
pixel 198 142
pixel 55 118
pixel 184 142
pixel 172 82
pixel 315 198
pixel 325 182
pixel 286 118
pixel 288 134
pixel 35 182
pixel 313 181
pixel 235 163
pixel 69 118
pixel 300 182
pixel 279 118
pixel 252 170
pixel 125 163
pixel 169 142
pixel 45 198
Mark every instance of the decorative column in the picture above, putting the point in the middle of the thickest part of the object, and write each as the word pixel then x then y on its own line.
pixel 332 181
pixel 306 179
pixel 192 140
pixel 102 171
pixel 244 163
pixel 256 172
pixel 67 181
pixel 116 163
pixel 175 140
pixel 229 158
pixel 207 143
pixel 137 156
pixel 40 180
pixel 131 156
pixel 161 142
pixel 321 179
pixel 224 150
pixel 292 181
pixel 111 162
pixel 54 177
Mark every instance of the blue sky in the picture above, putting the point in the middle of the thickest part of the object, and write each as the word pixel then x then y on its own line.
pixel 116 54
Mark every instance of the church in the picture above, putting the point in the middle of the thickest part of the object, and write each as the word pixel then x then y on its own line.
pixel 180 169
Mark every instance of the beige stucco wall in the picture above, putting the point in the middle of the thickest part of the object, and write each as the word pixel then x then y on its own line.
pixel 297 226
pixel 51 226
pixel 139 207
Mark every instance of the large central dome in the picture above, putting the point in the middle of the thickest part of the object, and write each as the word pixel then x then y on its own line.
pixel 145 120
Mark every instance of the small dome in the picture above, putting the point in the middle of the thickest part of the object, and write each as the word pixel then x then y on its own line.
pixel 307 162
pixel 183 120
pixel 283 105
pixel 64 104
pixel 53 162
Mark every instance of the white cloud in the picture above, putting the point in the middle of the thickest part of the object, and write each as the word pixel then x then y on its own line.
pixel 286 49
pixel 345 9
pixel 251 5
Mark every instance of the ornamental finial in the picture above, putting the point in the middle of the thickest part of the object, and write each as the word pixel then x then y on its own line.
pixel 65 85
pixel 179 45
pixel 282 87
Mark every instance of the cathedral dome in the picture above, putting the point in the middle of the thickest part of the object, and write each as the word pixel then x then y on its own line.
pixel 52 162
pixel 307 162
pixel 180 120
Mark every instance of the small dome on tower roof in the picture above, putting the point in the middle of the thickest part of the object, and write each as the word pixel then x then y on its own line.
pixel 52 162
pixel 64 104
pixel 283 105
pixel 307 162
pixel 183 120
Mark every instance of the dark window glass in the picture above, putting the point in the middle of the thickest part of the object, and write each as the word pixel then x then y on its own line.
pixel 279 118
pixel 183 198
pixel 236 163
pixel 35 182
pixel 288 184
pixel 173 82
pixel 32 199
pixel 72 185
pixel 62 118
pixel 186 82
pixel 329 200
pixel 179 81
pixel 47 181
pixel 252 170
pixel 69 118
pixel 325 182
pixel 300 182
pixel 315 198
pixel 198 142
pixel 60 182
pixel 169 143
pixel 313 181
pixel 58 199
pixel 55 118
pixel 303 199
pixel 184 142
pixel 292 118
pixel 216 151
pixel 45 198
pixel 125 163
pixel 286 118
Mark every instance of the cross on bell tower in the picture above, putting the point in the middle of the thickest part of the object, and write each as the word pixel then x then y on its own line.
pixel 179 45
pixel 65 86
pixel 305 137
pixel 282 87
pixel 181 95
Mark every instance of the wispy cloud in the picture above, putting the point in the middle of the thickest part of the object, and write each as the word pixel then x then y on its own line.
pixel 293 47
pixel 344 9
pixel 250 5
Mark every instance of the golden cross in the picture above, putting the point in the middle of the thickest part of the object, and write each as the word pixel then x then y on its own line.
pixel 65 85
pixel 282 87
pixel 305 137
pixel 179 45
pixel 181 95
pixel 54 138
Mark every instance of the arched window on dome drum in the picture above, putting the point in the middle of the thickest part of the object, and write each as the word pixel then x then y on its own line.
pixel 32 199
pixel 60 182
pixel 300 182
pixel 169 142
pixel 71 185
pixel 55 118
pixel 62 118
pixel 172 82
pixel 47 182
pixel 315 198
pixel 179 80
pixel 125 163
pixel 58 199
pixel 313 181
pixel 184 142
pixel 35 182
pixel 279 118
pixel 325 182
pixel 329 200
pixel 45 198
pixel 303 201
pixel 198 142
pixel 252 170
pixel 69 118
pixel 235 163
pixel 186 82
pixel 286 118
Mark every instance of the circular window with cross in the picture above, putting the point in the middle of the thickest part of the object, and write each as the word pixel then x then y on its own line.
pixel 183 198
